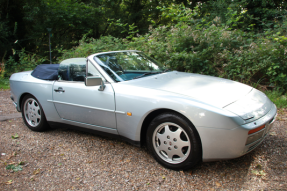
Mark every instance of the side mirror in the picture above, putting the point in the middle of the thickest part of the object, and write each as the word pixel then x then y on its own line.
pixel 95 81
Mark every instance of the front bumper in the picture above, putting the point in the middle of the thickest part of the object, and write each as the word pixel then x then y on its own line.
pixel 256 139
pixel 15 103
pixel 221 144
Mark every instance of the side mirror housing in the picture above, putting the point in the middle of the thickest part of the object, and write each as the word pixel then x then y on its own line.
pixel 95 81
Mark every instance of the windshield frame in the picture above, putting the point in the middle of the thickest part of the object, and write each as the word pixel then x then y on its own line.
pixel 116 78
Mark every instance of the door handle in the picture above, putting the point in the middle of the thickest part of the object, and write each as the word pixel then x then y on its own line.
pixel 60 89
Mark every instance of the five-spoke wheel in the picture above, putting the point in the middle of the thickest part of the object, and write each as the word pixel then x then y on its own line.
pixel 173 141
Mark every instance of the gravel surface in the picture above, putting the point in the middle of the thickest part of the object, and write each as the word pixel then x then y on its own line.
pixel 64 159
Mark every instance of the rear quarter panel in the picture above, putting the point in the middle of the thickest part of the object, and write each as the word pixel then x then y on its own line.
pixel 23 83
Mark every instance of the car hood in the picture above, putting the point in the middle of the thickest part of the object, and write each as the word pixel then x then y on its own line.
pixel 210 90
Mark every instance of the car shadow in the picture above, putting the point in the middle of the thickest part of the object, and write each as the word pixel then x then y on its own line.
pixel 269 158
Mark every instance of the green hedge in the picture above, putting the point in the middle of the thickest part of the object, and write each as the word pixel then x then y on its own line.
pixel 211 50
pixel 209 47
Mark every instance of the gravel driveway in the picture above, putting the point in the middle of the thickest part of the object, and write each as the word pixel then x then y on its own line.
pixel 64 159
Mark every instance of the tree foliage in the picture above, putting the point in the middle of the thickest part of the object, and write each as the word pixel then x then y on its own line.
pixel 241 40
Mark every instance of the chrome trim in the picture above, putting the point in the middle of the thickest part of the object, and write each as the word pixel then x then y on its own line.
pixel 274 119
pixel 95 108
pixel 15 104
pixel 120 112
pixel 101 70
pixel 69 81
pixel 77 105
pixel 96 54
pixel 89 124
pixel 102 86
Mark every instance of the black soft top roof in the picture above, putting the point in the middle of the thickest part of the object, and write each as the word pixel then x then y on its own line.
pixel 46 71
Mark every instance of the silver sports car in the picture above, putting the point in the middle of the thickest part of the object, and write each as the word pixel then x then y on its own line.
pixel 182 118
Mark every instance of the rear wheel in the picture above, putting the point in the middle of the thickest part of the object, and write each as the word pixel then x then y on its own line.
pixel 173 142
pixel 33 114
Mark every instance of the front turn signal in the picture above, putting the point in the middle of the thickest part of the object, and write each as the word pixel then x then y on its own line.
pixel 256 130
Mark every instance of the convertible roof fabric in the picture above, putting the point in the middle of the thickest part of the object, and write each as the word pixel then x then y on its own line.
pixel 46 71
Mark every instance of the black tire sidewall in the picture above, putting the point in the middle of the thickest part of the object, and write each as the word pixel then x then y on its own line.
pixel 195 148
pixel 42 126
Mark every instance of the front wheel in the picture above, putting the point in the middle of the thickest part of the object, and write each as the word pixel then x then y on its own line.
pixel 33 114
pixel 173 142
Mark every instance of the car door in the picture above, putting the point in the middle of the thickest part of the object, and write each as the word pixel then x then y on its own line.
pixel 76 102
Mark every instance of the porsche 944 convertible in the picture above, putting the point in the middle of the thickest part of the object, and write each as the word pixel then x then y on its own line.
pixel 182 118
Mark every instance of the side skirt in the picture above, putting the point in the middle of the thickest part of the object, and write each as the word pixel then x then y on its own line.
pixel 56 125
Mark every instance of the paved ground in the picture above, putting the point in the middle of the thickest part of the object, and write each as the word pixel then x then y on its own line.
pixel 63 159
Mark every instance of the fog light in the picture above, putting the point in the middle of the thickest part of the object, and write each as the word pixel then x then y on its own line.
pixel 254 137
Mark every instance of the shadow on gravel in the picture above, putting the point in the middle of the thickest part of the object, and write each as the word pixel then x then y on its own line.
pixel 221 170
pixel 71 155
pixel 227 169
pixel 276 152
pixel 108 157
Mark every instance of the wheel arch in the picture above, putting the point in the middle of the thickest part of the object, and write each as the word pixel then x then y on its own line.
pixel 157 112
pixel 21 99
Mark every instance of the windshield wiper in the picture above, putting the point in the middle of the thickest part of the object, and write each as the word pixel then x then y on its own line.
pixel 166 70
pixel 145 74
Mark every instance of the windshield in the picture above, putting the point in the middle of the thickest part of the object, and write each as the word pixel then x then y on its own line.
pixel 122 66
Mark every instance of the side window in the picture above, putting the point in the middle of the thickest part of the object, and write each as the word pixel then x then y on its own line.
pixel 77 72
pixel 73 69
pixel 92 71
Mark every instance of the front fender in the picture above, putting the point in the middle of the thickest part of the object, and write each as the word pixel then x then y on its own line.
pixel 142 101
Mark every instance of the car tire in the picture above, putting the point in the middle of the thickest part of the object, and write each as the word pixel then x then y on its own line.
pixel 173 141
pixel 33 114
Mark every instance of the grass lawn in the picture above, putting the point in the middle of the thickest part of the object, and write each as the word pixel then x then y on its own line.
pixel 4 84
pixel 277 98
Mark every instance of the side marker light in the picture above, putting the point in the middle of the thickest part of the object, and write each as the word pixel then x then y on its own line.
pixel 129 114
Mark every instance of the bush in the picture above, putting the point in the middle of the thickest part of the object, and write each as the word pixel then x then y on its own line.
pixel 4 84
pixel 192 42
pixel 211 49
pixel 25 62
